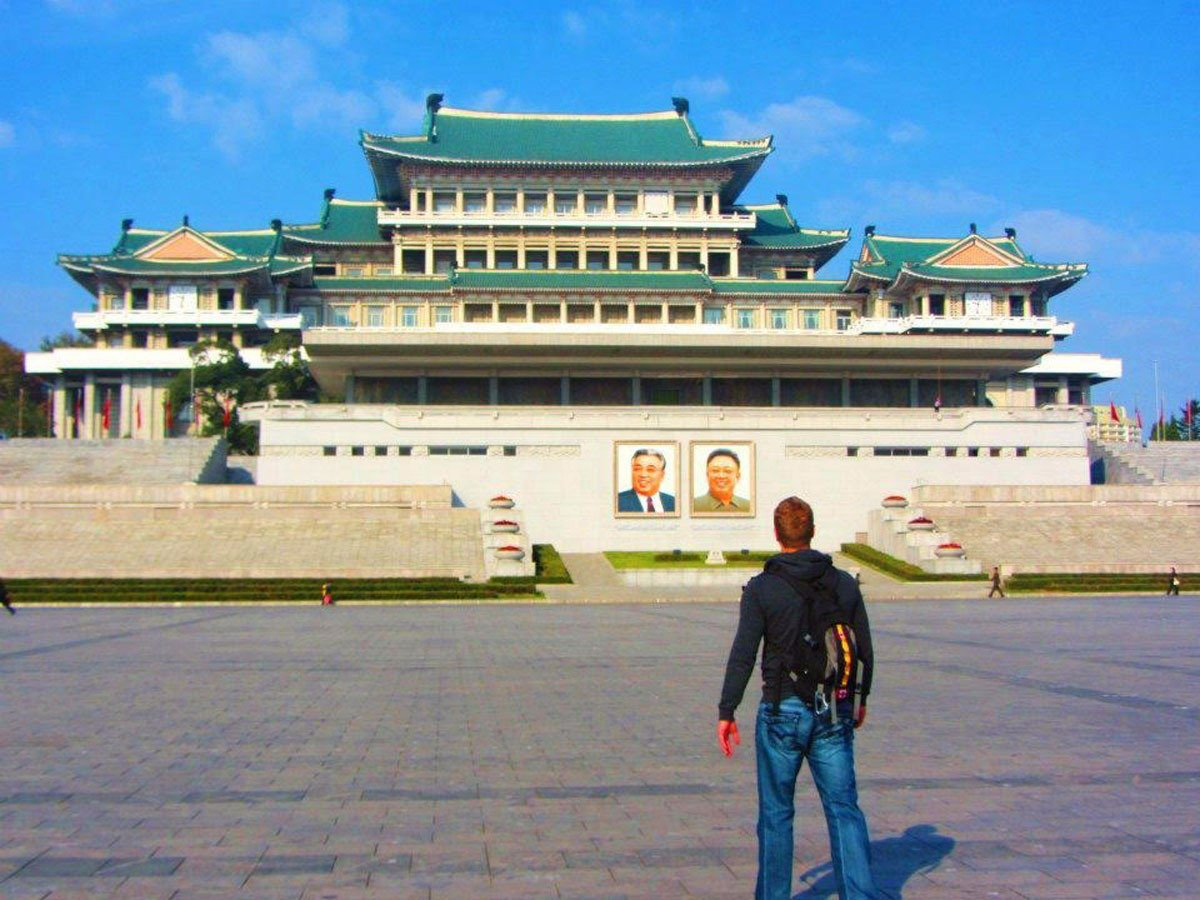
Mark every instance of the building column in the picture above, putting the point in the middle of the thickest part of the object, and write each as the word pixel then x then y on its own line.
pixel 89 406
pixel 845 392
pixel 124 426
pixel 564 390
pixel 350 387
pixel 914 395
pixel 493 391
pixel 422 390
pixel 706 390
pixel 637 390
pixel 60 407
pixel 429 256
pixel 776 393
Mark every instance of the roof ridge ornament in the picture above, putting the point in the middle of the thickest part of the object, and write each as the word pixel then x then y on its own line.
pixel 1010 233
pixel 682 107
pixel 974 229
pixel 869 231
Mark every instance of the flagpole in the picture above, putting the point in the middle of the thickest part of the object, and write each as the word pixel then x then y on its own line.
pixel 1158 400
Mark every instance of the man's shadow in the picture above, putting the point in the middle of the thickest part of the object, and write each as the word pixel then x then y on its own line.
pixel 894 861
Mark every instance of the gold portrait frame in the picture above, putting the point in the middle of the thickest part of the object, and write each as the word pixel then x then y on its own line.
pixel 672 482
pixel 746 489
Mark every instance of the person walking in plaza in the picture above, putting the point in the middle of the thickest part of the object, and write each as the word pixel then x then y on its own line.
pixel 996 586
pixel 4 601
pixel 794 723
pixel 1173 583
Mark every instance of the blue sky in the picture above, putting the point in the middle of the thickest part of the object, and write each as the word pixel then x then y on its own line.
pixel 1077 123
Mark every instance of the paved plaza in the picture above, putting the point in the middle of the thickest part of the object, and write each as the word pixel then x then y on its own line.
pixel 1020 748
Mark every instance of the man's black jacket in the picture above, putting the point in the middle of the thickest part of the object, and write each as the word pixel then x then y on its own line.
pixel 771 610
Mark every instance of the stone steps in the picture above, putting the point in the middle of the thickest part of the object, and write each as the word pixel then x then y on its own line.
pixel 52 461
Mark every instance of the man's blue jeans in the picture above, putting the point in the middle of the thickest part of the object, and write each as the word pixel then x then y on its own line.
pixel 783 741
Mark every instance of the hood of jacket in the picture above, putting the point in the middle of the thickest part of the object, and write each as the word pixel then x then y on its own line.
pixel 808 565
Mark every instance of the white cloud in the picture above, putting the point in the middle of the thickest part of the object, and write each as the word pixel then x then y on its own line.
pixel 328 24
pixel 234 122
pixel 574 23
pixel 805 127
pixel 704 88
pixel 495 99
pixel 276 77
pixel 404 112
pixel 906 133
pixel 944 197
pixel 8 134
pixel 1055 235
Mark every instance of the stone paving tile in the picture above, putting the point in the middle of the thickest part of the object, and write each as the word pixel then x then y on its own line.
pixel 1022 748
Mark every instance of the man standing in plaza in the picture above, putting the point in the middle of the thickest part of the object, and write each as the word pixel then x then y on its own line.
pixel 790 727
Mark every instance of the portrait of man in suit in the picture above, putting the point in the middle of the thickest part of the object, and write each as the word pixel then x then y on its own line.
pixel 646 475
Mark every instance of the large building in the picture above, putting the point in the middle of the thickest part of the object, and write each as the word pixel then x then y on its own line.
pixel 529 300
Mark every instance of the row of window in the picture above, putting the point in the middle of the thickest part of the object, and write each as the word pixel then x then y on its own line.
pixel 477 450
pixel 180 298
pixel 562 202
pixel 381 316
pixel 435 450
pixel 925 451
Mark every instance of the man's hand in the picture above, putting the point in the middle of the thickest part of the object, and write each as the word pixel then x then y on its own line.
pixel 861 717
pixel 727 736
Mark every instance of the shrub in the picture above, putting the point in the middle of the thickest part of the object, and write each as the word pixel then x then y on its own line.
pixel 898 568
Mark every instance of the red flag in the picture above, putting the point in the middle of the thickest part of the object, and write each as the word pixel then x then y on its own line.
pixel 106 412
pixel 137 414
pixel 228 416
pixel 79 414
pixel 1112 411
pixel 170 418
pixel 1187 412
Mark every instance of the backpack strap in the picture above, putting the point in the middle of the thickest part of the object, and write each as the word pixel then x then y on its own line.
pixel 806 590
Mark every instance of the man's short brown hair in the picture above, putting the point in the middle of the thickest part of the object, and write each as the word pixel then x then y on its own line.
pixel 794 522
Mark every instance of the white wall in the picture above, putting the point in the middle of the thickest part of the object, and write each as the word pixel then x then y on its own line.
pixel 562 476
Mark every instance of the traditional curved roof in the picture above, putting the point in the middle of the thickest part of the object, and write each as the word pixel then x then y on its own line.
pixel 897 263
pixel 185 251
pixel 456 137
pixel 341 222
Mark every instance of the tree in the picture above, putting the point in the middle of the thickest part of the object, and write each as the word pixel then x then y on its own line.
pixel 22 397
pixel 1186 425
pixel 223 382
pixel 64 339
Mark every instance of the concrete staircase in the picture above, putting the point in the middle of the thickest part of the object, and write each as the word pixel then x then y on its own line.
pixel 1102 528
pixel 226 531
pixel 52 461
pixel 889 530
pixel 1175 462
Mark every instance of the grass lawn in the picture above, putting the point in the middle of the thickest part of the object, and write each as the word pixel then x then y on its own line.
pixel 654 559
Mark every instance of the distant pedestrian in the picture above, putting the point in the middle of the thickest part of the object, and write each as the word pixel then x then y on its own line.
pixel 1173 583
pixel 326 595
pixel 995 583
pixel 8 603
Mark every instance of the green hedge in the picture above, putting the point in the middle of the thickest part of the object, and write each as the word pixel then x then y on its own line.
pixel 898 568
pixel 548 566
pixel 253 590
pixel 1100 582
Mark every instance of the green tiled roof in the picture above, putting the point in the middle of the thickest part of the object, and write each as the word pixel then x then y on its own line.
pixel 465 137
pixel 251 251
pixel 384 285
pixel 897 261
pixel 130 265
pixel 342 222
pixel 775 227
pixel 580 280
pixel 778 287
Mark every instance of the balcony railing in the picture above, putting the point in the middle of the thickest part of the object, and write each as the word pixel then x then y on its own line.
pixel 97 320
pixel 548 218
pixel 907 324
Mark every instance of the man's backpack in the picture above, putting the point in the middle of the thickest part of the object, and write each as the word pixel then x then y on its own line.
pixel 823 661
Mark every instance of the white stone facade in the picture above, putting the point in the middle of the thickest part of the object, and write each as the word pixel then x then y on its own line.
pixel 558 462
